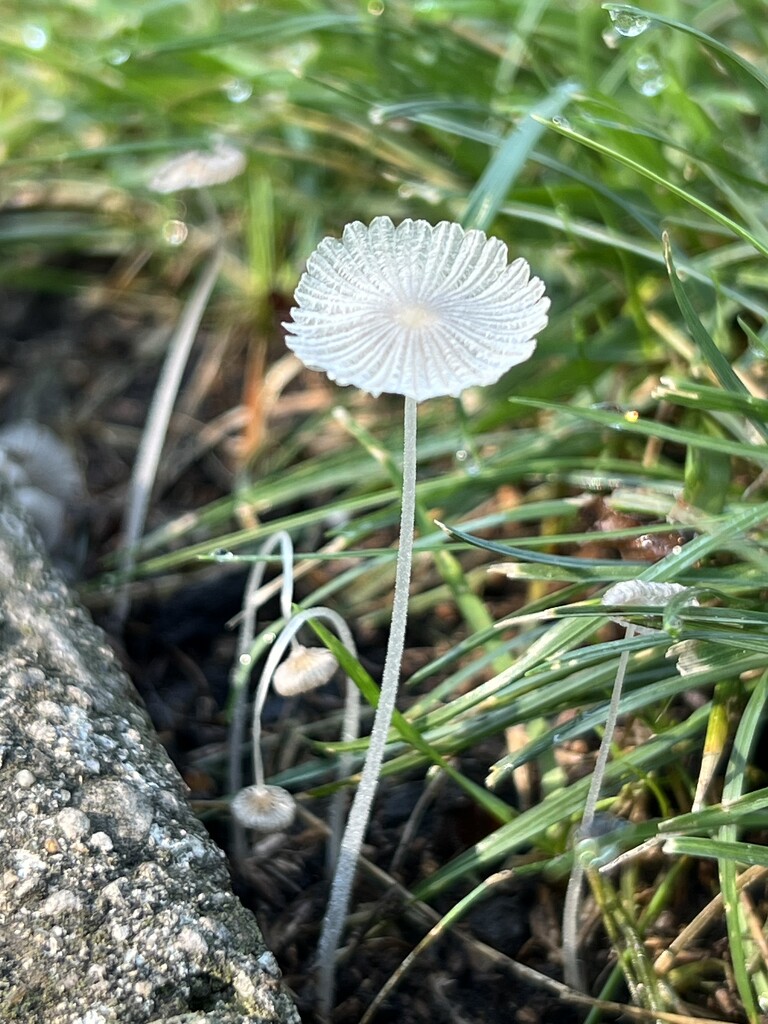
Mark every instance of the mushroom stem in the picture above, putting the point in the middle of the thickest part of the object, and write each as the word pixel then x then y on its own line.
pixel 350 724
pixel 359 815
pixel 278 649
pixel 243 660
pixel 241 670
pixel 572 971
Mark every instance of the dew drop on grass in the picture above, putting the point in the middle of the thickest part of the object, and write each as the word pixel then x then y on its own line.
pixel 376 115
pixel 238 91
pixel 561 122
pixel 35 37
pixel 467 461
pixel 222 555
pixel 629 25
pixel 647 77
pixel 175 232
pixel 118 56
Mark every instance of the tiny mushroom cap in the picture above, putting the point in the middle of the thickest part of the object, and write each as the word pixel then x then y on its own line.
pixel 419 310
pixel 690 657
pixel 641 592
pixel 305 668
pixel 199 168
pixel 264 808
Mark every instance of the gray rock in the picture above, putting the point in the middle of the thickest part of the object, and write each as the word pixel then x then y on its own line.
pixel 115 905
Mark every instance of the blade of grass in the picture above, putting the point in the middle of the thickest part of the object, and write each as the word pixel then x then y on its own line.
pixel 733 226
pixel 751 70
pixel 736 781
pixel 497 808
pixel 713 357
pixel 494 183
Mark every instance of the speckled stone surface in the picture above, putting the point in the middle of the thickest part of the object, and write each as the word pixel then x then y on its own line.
pixel 115 905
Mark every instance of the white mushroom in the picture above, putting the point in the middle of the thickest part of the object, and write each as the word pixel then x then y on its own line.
pixel 416 310
pixel 199 168
pixel 264 808
pixel 641 593
pixel 420 311
pixel 305 669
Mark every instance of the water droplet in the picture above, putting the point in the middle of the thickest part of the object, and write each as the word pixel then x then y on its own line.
pixel 630 25
pixel 118 56
pixel 245 660
pixel 376 115
pixel 238 91
pixel 557 737
pixel 375 7
pixel 295 58
pixel 611 38
pixel 647 77
pixel 269 638
pixel 467 461
pixel 35 37
pixel 222 555
pixel 175 232
pixel 561 122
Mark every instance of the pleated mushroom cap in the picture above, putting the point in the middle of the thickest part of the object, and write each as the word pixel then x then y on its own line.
pixel 305 668
pixel 264 808
pixel 415 310
pixel 641 592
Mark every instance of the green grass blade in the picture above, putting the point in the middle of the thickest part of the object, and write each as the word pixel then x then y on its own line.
pixel 494 184
pixel 751 70
pixel 760 245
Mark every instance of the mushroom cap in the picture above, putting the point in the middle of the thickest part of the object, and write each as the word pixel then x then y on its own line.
pixel 641 592
pixel 419 310
pixel 264 808
pixel 305 668
pixel 199 168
